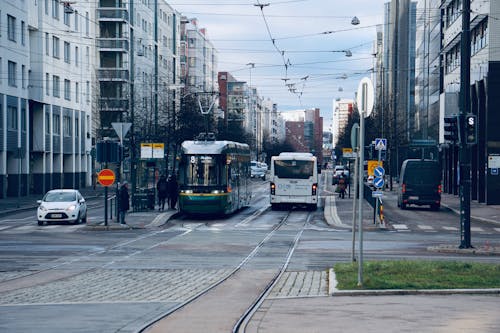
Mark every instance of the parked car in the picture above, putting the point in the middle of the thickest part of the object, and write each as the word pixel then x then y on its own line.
pixel 337 172
pixel 62 205
pixel 420 184
pixel 258 170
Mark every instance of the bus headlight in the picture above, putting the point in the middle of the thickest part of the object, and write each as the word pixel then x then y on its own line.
pixel 273 189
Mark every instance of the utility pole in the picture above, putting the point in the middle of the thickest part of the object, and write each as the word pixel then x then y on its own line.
pixel 465 158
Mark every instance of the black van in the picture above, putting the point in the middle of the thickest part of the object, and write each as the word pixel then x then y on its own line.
pixel 420 184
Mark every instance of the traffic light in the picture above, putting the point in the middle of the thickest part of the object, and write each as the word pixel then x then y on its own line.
pixel 451 129
pixel 471 129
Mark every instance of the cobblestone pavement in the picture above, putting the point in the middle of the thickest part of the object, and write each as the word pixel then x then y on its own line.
pixel 300 284
pixel 118 285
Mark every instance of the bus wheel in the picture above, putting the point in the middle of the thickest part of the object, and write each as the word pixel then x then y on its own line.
pixel 274 207
pixel 313 207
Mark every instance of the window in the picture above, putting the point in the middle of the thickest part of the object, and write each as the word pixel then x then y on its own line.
pixel 47 123
pixel 1 73
pixel 12 73
pixel 55 9
pixel 67 52
pixel 76 20
pixel 55 47
pixel 56 90
pixel 11 28
pixel 47 43
pixel 67 126
pixel 12 123
pixel 23 76
pixel 56 124
pixel 87 56
pixel 46 7
pixel 87 23
pixel 67 89
pixel 23 36
pixel 66 18
pixel 87 91
pixel 77 92
pixel 47 85
pixel 76 56
pixel 77 129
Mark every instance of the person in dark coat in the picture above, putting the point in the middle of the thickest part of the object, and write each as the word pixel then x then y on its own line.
pixel 172 191
pixel 124 199
pixel 162 188
pixel 342 185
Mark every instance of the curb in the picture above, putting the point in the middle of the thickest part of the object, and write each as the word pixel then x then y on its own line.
pixel 404 292
pixel 473 218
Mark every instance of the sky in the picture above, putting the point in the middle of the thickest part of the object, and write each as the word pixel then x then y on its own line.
pixel 270 44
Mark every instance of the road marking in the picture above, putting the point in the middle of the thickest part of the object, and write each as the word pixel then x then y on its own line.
pixel 497 229
pixel 476 229
pixel 400 226
pixel 450 228
pixel 425 227
pixel 5 227
pixel 251 217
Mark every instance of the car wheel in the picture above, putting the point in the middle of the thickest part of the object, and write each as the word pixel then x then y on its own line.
pixel 40 222
pixel 435 207
pixel 403 205
pixel 78 219
pixel 84 220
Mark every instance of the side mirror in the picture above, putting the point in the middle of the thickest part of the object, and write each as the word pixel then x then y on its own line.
pixel 81 201
pixel 39 202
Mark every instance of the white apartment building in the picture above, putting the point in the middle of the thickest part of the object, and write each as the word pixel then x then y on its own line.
pixel 45 95
pixel 341 110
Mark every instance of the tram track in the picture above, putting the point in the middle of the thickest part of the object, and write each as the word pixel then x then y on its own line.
pixel 157 324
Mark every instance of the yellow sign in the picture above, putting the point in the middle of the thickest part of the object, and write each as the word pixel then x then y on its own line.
pixel 346 150
pixel 372 164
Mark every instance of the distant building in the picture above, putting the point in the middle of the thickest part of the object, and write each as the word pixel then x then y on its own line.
pixel 341 111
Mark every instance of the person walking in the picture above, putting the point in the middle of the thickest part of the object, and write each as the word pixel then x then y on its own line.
pixel 172 191
pixel 162 188
pixel 342 185
pixel 123 200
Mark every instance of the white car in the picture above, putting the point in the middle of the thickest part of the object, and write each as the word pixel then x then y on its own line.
pixel 62 206
pixel 258 170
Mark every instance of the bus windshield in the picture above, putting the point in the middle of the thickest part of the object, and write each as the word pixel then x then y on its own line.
pixel 203 170
pixel 293 169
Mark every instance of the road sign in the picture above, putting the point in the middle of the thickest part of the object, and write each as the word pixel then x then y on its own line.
pixel 366 96
pixel 379 182
pixel 106 177
pixel 380 144
pixel 371 165
pixel 377 194
pixel 379 171
pixel 355 136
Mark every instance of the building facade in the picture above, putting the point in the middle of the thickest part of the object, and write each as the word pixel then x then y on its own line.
pixel 45 95
pixel 341 111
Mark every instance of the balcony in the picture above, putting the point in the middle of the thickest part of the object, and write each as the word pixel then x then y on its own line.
pixel 112 74
pixel 113 44
pixel 113 14
pixel 113 104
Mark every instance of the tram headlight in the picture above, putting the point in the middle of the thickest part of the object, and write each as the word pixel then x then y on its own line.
pixel 217 191
pixel 273 188
pixel 187 191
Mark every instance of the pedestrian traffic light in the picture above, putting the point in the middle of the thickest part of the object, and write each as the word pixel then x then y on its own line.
pixel 471 129
pixel 451 129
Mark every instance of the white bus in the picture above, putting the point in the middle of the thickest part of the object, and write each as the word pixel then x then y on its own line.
pixel 294 180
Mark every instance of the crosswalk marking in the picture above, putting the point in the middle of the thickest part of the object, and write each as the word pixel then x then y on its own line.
pixel 425 227
pixel 400 226
pixel 450 228
pixel 48 228
pixel 476 229
pixel 497 229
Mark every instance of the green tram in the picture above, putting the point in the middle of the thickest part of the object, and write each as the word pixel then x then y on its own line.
pixel 214 177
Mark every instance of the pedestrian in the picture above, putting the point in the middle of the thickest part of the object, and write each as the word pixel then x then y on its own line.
pixel 123 200
pixel 172 191
pixel 162 188
pixel 342 185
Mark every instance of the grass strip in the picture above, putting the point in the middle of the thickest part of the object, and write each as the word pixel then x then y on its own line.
pixel 406 274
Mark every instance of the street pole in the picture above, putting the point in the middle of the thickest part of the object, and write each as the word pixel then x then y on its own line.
pixel 361 193
pixel 465 177
pixel 354 202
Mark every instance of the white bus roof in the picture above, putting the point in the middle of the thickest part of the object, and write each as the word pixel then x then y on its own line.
pixel 212 147
pixel 290 155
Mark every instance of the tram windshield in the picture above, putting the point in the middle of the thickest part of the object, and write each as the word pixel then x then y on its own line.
pixel 204 170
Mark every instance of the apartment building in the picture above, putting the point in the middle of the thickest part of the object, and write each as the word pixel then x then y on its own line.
pixel 45 95
pixel 485 84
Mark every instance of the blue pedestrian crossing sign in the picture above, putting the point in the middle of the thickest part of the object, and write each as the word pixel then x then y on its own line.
pixel 379 171
pixel 379 182
pixel 380 144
